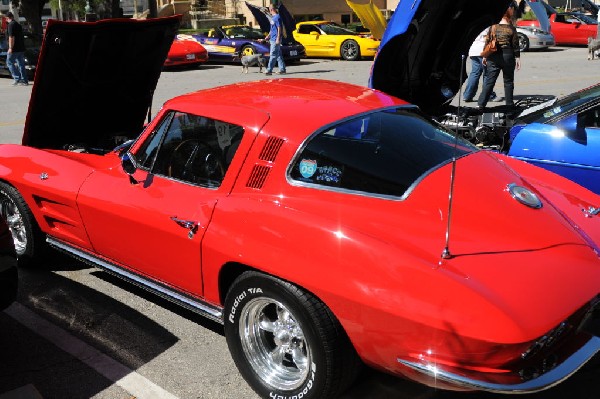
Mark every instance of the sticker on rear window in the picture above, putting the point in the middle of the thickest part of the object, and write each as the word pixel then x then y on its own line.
pixel 308 167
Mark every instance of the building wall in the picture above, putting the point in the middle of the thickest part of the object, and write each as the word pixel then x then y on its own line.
pixel 331 10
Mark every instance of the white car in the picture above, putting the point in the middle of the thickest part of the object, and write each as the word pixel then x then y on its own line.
pixel 534 38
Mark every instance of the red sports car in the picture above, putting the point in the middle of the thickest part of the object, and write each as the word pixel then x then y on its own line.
pixel 186 51
pixel 569 28
pixel 361 233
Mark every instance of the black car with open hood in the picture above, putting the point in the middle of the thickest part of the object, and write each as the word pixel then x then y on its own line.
pixel 77 85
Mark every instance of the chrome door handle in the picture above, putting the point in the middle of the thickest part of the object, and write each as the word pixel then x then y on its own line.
pixel 187 224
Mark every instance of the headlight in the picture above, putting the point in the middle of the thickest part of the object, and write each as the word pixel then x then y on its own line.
pixel 535 31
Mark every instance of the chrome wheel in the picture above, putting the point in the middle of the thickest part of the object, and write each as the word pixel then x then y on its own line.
pixel 274 344
pixel 14 219
pixel 523 42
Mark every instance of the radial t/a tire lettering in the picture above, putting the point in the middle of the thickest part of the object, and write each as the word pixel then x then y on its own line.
pixel 285 342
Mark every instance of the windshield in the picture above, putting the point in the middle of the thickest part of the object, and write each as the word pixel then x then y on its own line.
pixel 583 18
pixel 243 32
pixel 562 106
pixel 384 153
pixel 333 29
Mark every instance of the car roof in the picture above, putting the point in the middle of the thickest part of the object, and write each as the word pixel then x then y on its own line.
pixel 281 100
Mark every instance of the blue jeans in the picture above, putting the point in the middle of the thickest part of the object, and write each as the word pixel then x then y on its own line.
pixel 16 66
pixel 275 55
pixel 500 61
pixel 477 70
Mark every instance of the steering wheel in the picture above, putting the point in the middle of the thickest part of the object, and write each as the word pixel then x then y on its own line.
pixel 196 162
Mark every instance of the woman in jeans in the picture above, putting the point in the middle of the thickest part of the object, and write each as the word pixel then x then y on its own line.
pixel 505 59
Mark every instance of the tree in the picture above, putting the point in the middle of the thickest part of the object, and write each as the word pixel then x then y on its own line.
pixel 31 10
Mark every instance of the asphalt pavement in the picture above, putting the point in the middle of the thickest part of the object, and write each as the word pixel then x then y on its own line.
pixel 77 332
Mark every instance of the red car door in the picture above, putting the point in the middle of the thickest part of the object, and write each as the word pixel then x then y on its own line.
pixel 582 31
pixel 143 226
pixel 567 29
pixel 154 222
pixel 561 29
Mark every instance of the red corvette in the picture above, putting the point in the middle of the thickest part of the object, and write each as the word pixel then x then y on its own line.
pixel 362 233
pixel 569 28
pixel 186 51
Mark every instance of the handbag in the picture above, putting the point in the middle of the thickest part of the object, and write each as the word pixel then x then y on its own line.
pixel 491 45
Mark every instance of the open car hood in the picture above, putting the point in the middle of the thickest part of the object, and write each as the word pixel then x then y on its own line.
pixel 422 54
pixel 263 17
pixel 96 79
pixel 370 16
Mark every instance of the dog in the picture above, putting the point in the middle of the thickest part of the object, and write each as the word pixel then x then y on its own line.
pixel 253 60
pixel 593 48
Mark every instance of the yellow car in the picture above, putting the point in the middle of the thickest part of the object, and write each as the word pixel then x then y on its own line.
pixel 328 39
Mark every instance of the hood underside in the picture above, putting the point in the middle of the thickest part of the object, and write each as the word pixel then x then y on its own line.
pixel 263 17
pixel 423 51
pixel 96 79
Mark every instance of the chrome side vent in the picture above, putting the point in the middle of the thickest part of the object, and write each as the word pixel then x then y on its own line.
pixel 271 149
pixel 258 176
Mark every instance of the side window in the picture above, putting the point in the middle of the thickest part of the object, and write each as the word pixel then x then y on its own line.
pixel 383 153
pixel 191 148
pixel 306 29
pixel 146 154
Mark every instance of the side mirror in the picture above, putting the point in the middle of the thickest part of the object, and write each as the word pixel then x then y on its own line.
pixel 574 128
pixel 128 166
pixel 314 33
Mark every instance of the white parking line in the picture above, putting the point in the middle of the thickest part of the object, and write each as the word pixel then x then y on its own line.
pixel 121 375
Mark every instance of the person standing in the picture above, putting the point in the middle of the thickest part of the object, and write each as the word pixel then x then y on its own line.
pixel 15 58
pixel 477 68
pixel 506 59
pixel 275 37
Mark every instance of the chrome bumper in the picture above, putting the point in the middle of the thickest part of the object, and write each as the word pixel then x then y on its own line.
pixel 479 381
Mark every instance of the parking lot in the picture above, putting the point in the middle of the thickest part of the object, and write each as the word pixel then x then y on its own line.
pixel 77 332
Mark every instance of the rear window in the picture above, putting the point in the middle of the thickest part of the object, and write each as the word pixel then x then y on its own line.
pixel 383 153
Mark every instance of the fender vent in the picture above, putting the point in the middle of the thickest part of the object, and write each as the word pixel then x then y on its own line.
pixel 258 176
pixel 271 149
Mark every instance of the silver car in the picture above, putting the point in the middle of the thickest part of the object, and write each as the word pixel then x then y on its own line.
pixel 534 38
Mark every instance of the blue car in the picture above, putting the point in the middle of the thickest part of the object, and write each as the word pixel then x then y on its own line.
pixel 228 43
pixel 422 64
pixel 562 136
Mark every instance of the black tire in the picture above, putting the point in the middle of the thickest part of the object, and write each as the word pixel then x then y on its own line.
pixel 27 236
pixel 350 50
pixel 313 356
pixel 523 42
